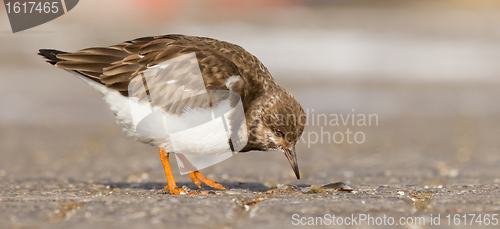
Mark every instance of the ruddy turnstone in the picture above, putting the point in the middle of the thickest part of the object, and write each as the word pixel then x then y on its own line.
pixel 274 120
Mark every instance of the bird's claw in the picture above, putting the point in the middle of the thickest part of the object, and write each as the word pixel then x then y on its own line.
pixel 198 178
pixel 179 191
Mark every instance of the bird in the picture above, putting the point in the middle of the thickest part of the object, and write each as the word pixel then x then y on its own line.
pixel 273 119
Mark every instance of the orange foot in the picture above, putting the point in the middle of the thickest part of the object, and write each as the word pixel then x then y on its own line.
pixel 164 156
pixel 196 177
pixel 178 191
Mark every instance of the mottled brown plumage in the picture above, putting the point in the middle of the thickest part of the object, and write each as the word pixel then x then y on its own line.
pixel 275 120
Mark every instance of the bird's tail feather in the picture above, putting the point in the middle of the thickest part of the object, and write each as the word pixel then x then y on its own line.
pixel 51 55
pixel 51 58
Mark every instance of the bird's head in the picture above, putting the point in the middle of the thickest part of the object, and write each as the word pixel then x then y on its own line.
pixel 276 123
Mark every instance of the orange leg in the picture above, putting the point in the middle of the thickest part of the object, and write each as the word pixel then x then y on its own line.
pixel 194 179
pixel 196 176
pixel 170 177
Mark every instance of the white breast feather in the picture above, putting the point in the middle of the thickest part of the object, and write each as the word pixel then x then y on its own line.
pixel 155 134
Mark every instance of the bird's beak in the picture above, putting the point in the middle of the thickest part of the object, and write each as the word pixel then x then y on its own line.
pixel 292 158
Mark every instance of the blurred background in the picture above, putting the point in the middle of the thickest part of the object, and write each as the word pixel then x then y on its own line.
pixel 429 69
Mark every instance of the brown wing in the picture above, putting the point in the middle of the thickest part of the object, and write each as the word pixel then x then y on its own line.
pixel 119 65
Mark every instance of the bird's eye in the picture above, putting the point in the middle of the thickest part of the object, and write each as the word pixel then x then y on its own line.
pixel 278 133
